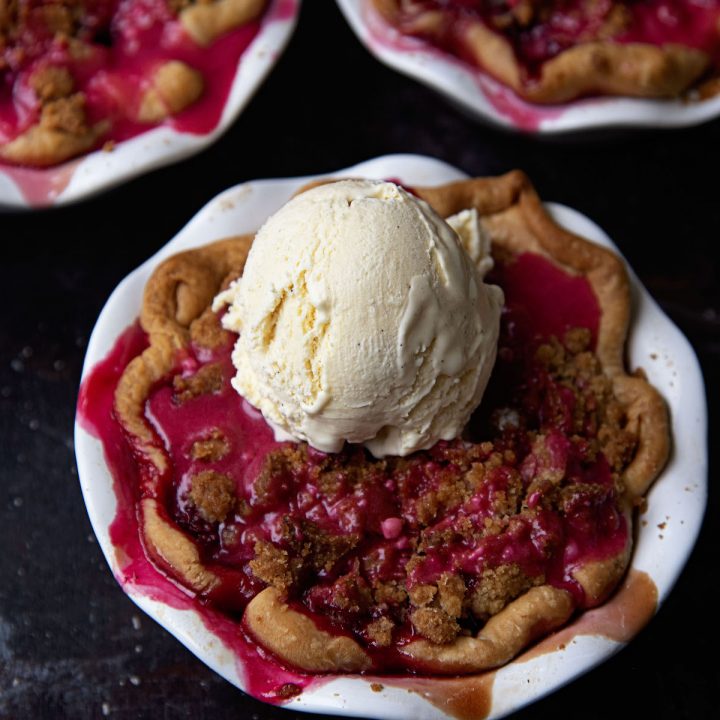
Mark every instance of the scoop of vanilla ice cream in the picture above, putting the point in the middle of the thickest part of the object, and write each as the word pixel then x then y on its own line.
pixel 362 318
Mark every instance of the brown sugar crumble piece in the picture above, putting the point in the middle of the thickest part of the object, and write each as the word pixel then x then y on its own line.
pixel 380 631
pixel 52 83
pixel 451 594
pixel 212 448
pixel 451 492
pixel 435 624
pixel 438 607
pixel 66 114
pixel 334 473
pixel 389 593
pixel 289 690
pixel 275 566
pixel 507 502
pixel 213 494
pixel 496 587
pixel 272 565
pixel 577 340
pixel 277 464
pixel 208 379
pixel 421 595
pixel 322 550
pixel 578 492
pixel 313 549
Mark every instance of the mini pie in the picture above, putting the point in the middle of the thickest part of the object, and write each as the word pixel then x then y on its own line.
pixel 448 561
pixel 76 73
pixel 553 51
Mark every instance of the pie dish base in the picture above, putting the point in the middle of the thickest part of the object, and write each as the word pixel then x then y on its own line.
pixel 674 371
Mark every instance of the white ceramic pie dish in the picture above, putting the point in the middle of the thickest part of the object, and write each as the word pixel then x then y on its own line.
pixel 26 188
pixel 490 101
pixel 677 499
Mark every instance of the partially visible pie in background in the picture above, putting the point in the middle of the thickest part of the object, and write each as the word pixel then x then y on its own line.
pixel 553 51
pixel 78 74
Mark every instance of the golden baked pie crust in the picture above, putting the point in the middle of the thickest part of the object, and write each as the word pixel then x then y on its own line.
pixel 599 67
pixel 176 308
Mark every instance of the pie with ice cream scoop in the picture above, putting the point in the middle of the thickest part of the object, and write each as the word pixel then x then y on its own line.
pixel 413 458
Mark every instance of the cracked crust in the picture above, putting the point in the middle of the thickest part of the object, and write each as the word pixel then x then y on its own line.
pixel 596 67
pixel 176 308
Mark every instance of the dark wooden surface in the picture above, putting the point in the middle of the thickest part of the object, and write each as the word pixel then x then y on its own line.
pixel 71 644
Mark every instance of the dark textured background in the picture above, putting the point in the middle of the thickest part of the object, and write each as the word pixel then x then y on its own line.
pixel 71 644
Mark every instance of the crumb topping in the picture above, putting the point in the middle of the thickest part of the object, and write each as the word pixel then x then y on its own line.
pixel 289 690
pixel 272 565
pixel 208 379
pixel 52 83
pixel 451 594
pixel 389 593
pixel 211 448
pixel 435 624
pixel 66 114
pixel 380 631
pixel 213 494
pixel 436 543
pixel 497 586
